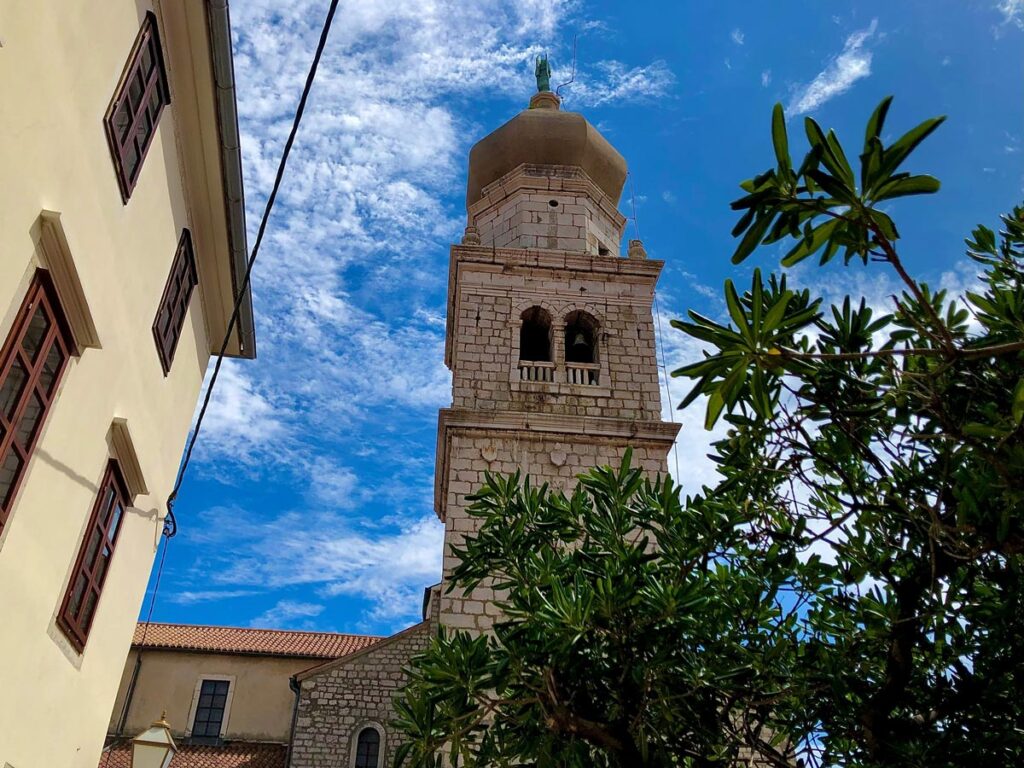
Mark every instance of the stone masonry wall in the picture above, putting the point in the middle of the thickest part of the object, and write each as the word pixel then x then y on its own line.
pixel 556 459
pixel 337 703
pixel 551 207
pixel 485 347
pixel 555 220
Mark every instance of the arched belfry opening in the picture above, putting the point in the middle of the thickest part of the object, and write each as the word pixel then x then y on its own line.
pixel 580 338
pixel 535 335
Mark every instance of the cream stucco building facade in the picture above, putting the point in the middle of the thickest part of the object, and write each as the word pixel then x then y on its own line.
pixel 550 340
pixel 122 249
pixel 225 691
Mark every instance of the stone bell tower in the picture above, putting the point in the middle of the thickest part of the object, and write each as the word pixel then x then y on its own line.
pixel 550 334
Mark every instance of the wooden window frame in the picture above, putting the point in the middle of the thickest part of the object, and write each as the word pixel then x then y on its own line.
pixel 175 300
pixel 72 619
pixel 145 114
pixel 41 294
pixel 190 733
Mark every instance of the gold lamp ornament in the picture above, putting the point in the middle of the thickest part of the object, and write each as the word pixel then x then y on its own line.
pixel 154 747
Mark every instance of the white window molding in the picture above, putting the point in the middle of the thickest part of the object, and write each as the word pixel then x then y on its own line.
pixel 55 256
pixel 123 449
pixel 355 742
pixel 195 703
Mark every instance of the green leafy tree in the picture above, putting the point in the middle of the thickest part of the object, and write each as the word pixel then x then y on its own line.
pixel 639 631
pixel 850 592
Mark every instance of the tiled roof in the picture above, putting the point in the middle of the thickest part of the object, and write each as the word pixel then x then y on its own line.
pixel 232 755
pixel 265 642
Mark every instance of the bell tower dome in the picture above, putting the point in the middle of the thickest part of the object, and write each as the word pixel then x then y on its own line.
pixel 550 331
pixel 546 179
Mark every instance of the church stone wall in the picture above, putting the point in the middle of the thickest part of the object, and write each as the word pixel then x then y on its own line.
pixel 551 207
pixel 552 220
pixel 355 692
pixel 485 347
pixel 555 459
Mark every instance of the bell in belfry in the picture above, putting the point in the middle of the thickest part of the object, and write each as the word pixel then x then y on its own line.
pixel 579 344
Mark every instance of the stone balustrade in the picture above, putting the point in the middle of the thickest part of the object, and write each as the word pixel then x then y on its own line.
pixel 582 373
pixel 536 370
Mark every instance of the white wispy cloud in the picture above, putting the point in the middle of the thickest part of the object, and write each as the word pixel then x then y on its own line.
pixel 737 36
pixel 688 460
pixel 240 420
pixel 192 597
pixel 332 554
pixel 332 484
pixel 350 285
pixel 766 78
pixel 285 612
pixel 1012 11
pixel 612 82
pixel 852 64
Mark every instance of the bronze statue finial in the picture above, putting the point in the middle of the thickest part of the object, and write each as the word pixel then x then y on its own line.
pixel 543 73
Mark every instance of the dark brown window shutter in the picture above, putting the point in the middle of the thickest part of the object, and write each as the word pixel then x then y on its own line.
pixel 170 316
pixel 93 563
pixel 134 112
pixel 32 361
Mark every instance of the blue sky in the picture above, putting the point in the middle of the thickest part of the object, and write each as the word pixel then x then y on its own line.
pixel 309 504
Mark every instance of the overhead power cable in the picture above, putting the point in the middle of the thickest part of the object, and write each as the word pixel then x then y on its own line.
pixel 661 332
pixel 170 527
pixel 170 523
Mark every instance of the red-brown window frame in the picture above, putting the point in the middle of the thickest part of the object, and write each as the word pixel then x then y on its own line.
pixel 41 294
pixel 177 293
pixel 146 113
pixel 70 619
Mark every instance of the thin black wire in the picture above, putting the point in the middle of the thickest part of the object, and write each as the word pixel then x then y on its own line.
pixel 664 370
pixel 170 524
pixel 661 331
pixel 156 588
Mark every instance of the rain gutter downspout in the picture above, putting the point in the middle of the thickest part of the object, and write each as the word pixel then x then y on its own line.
pixel 294 685
pixel 129 695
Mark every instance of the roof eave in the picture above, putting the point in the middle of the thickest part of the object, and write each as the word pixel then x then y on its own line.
pixel 219 26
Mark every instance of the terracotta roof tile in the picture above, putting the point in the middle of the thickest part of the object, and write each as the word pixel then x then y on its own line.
pixel 231 755
pixel 269 642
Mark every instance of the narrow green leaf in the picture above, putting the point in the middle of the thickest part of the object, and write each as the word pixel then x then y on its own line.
pixel 1018 402
pixel 777 311
pixel 753 237
pixel 893 157
pixel 870 163
pixel 715 406
pixel 876 122
pixel 817 138
pixel 844 165
pixel 886 224
pixel 811 161
pixel 744 222
pixel 806 247
pixel 731 384
pixel 779 138
pixel 832 186
pixel 756 302
pixel 739 317
pixel 910 185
